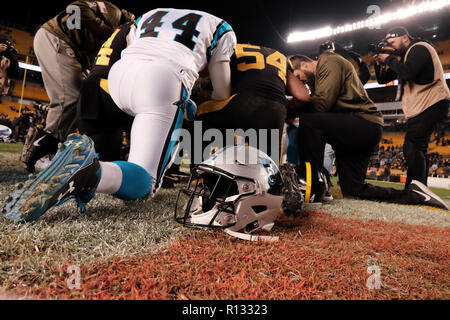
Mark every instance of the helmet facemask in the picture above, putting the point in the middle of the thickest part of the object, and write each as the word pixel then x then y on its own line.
pixel 210 199
pixel 231 192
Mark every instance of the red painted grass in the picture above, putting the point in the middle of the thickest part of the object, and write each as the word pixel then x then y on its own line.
pixel 328 259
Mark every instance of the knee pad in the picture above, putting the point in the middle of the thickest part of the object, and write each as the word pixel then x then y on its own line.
pixel 136 182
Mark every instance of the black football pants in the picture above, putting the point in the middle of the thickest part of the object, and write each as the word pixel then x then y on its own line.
pixel 418 134
pixel 248 111
pixel 102 120
pixel 354 140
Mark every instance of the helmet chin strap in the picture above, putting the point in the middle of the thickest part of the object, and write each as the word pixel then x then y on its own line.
pixel 250 237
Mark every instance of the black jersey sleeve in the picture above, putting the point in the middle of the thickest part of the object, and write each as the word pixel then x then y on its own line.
pixel 111 50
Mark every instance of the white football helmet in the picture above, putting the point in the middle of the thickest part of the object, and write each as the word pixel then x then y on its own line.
pixel 238 189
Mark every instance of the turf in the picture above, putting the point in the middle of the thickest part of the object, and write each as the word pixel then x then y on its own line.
pixel 135 250
pixel 11 147
pixel 443 193
pixel 110 228
pixel 319 257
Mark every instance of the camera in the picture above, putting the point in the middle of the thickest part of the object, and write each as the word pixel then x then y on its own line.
pixel 382 47
pixel 42 107
pixel 10 50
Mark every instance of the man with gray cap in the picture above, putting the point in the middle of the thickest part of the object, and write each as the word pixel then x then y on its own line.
pixel 424 93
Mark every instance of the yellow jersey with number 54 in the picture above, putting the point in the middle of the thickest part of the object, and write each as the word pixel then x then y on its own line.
pixel 259 70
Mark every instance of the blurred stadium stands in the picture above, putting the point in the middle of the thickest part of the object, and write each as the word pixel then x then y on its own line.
pixel 22 41
pixel 384 96
pixel 34 91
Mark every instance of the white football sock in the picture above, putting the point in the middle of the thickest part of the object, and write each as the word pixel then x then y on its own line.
pixel 111 178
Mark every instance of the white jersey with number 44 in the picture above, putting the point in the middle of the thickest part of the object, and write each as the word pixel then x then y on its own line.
pixel 186 39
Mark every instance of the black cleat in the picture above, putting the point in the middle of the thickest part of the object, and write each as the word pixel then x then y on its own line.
pixel 169 181
pixel 319 188
pixel 40 145
pixel 293 196
pixel 328 196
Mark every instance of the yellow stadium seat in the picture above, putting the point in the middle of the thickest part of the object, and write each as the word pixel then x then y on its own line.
pixel 5 108
pixel 31 93
pixel 22 40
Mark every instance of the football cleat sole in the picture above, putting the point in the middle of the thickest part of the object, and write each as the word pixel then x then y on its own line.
pixel 73 173
pixel 293 199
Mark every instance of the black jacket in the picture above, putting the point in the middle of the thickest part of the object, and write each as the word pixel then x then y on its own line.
pixel 418 68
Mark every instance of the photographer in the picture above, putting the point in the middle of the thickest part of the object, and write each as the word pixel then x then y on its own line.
pixel 423 91
pixel 65 47
pixel 344 116
pixel 9 66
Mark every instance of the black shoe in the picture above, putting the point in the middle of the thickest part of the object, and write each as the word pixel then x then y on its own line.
pixel 328 196
pixel 40 145
pixel 427 196
pixel 175 172
pixel 320 188
pixel 169 181
pixel 293 195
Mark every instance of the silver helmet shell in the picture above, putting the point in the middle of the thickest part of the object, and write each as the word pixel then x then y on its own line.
pixel 238 189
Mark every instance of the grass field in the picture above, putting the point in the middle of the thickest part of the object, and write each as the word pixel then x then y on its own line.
pixel 443 193
pixel 134 250
pixel 11 147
